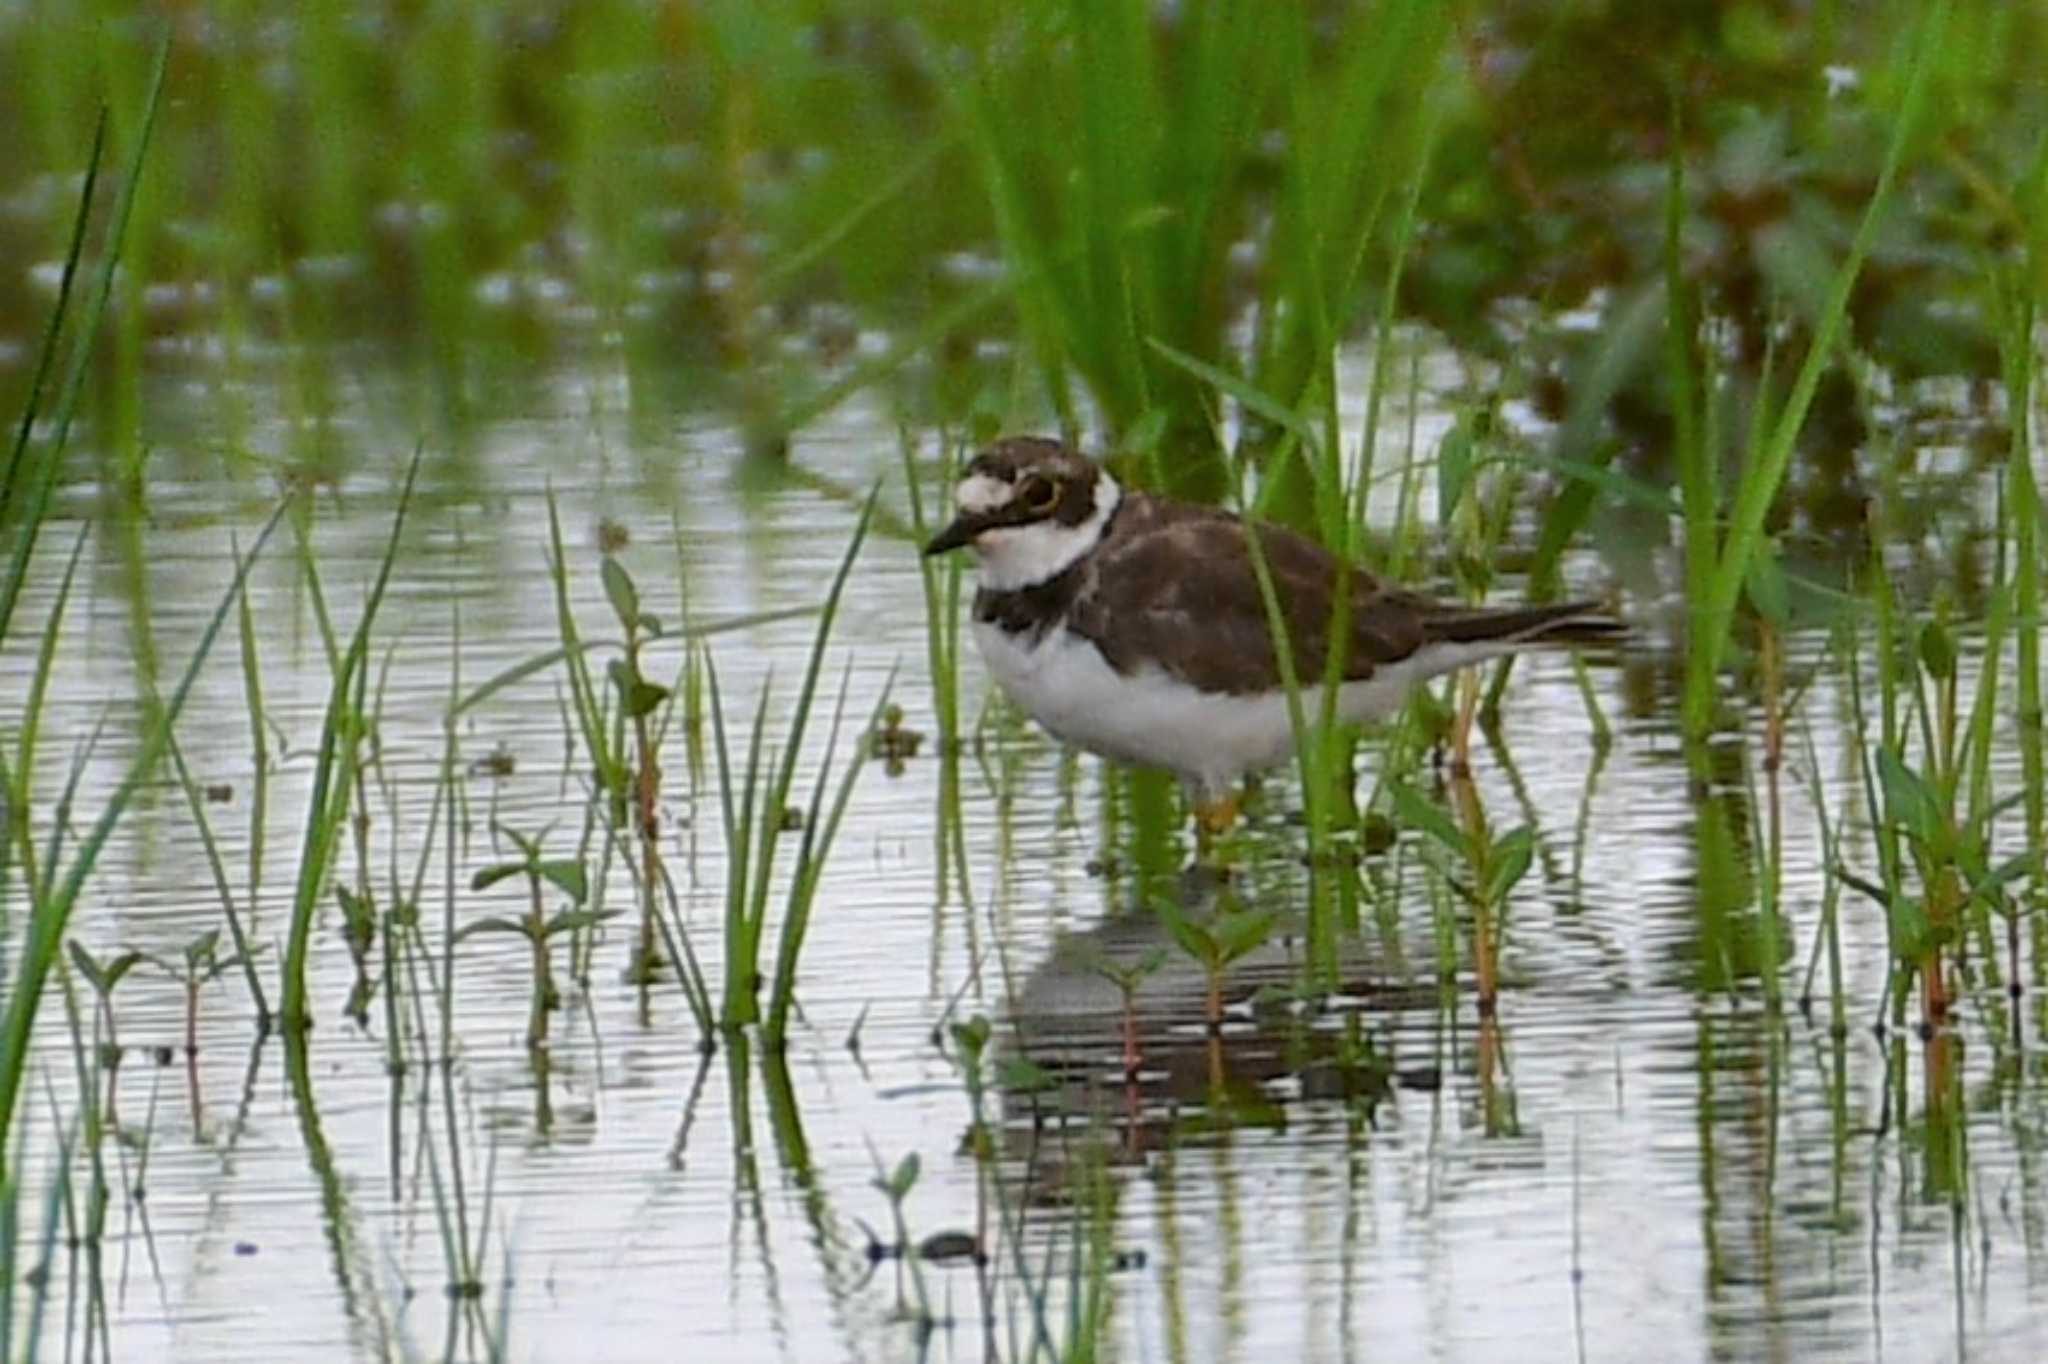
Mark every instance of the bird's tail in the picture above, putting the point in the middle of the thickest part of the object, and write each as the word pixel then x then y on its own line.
pixel 1566 624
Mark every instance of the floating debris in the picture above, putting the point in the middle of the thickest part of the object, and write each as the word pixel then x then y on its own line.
pixel 894 742
pixel 952 1248
pixel 499 762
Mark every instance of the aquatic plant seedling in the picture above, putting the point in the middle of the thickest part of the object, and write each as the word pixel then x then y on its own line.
pixel 1494 867
pixel 639 698
pixel 1231 934
pixel 1950 856
pixel 199 964
pixel 895 1185
pixel 1127 977
pixel 104 977
pixel 538 927
pixel 359 933
pixel 630 789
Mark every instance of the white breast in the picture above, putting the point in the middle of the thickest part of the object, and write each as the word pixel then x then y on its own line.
pixel 1152 719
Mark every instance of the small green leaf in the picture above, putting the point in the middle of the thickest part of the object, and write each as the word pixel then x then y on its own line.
pixel 529 848
pixel 902 1178
pixel 358 920
pixel 359 997
pixel 1512 853
pixel 567 875
pixel 121 966
pixel 1241 931
pixel 1907 799
pixel 494 924
pixel 1937 651
pixel 2012 869
pixel 620 592
pixel 571 920
pixel 1186 933
pixel 490 876
pixel 972 1036
pixel 201 949
pixel 88 966
pixel 358 913
pixel 1022 1075
pixel 216 969
pixel 1423 813
pixel 643 698
pixel 650 624
pixel 1765 581
pixel 1908 919
pixel 1453 470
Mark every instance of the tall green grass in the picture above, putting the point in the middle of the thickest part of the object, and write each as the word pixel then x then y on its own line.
pixel 1123 171
pixel 1720 553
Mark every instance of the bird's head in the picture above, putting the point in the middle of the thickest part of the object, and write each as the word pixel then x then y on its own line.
pixel 1029 507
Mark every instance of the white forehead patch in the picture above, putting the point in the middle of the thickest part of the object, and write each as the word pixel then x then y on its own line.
pixel 981 493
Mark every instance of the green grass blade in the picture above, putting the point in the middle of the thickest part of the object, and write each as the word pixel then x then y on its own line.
pixel 1760 481
pixel 46 355
pixel 33 516
pixel 816 849
pixel 776 797
pixel 245 949
pixel 259 741
pixel 341 735
pixel 22 777
pixel 582 691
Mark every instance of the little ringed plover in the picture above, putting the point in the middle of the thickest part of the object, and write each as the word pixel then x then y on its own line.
pixel 1133 626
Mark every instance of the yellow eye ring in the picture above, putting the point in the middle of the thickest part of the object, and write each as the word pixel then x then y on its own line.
pixel 1040 495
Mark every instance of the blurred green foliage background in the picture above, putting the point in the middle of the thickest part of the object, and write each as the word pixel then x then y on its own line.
pixel 1010 215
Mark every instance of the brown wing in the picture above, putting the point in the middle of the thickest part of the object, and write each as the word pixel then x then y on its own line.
pixel 1177 586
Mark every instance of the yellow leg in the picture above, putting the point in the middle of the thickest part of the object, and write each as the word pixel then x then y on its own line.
pixel 1213 820
pixel 1217 817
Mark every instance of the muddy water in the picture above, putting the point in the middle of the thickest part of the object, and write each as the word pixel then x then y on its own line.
pixel 1635 1162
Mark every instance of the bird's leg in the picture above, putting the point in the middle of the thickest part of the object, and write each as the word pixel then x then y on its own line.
pixel 1215 816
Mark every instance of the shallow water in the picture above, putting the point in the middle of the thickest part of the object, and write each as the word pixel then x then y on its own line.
pixel 1636 1161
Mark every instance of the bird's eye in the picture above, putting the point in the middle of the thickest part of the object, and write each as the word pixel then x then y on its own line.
pixel 1040 495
